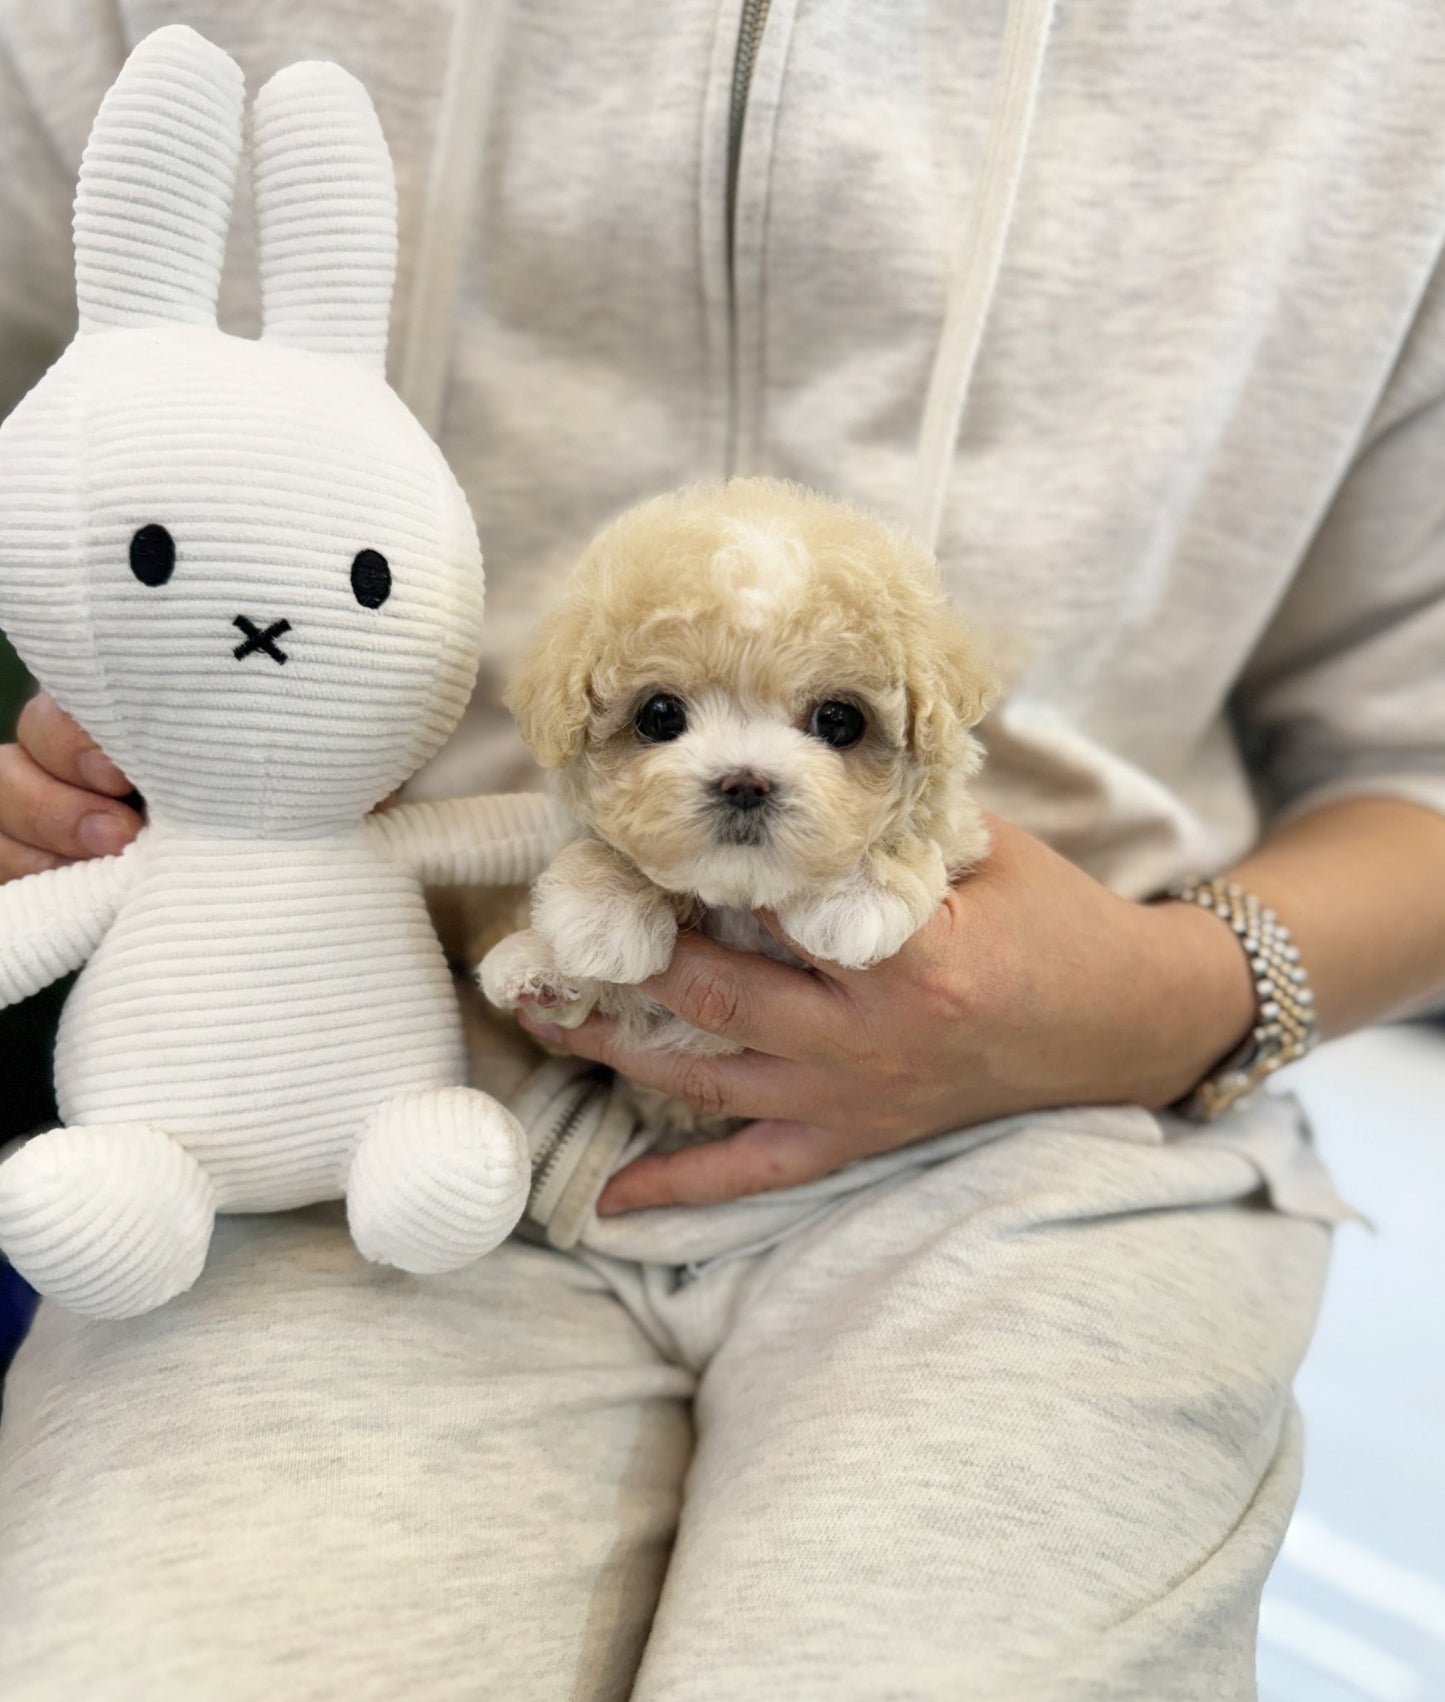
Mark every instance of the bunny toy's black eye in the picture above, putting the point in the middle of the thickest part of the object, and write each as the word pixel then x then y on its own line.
pixel 370 578
pixel 661 719
pixel 837 724
pixel 153 555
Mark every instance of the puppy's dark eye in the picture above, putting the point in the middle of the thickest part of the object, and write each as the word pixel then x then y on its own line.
pixel 370 578
pixel 153 555
pixel 661 718
pixel 837 724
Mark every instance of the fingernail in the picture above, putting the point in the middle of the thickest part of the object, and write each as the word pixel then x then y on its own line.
pixel 104 834
pixel 101 774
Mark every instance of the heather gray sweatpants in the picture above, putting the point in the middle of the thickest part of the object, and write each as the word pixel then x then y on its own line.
pixel 1006 1416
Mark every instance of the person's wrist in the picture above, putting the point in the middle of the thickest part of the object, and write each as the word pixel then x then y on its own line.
pixel 1201 999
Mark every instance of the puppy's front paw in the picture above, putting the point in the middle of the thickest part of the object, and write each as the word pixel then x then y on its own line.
pixel 608 937
pixel 854 927
pixel 521 970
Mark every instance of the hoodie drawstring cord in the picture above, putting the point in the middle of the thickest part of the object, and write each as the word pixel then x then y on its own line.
pixel 450 211
pixel 976 271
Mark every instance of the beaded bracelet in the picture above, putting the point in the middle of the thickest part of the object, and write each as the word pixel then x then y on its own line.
pixel 1285 1026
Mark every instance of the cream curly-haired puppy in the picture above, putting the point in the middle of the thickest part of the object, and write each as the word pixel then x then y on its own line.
pixel 756 698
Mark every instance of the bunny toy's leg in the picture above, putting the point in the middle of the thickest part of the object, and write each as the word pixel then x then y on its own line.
pixel 440 1177
pixel 108 1219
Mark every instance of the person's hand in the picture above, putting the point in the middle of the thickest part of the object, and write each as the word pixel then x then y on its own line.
pixel 1032 986
pixel 59 795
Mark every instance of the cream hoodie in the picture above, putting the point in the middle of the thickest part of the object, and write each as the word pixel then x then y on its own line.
pixel 1133 305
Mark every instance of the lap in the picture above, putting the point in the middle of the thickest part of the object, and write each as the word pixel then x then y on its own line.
pixel 311 1477
pixel 1014 1424
pixel 1017 1425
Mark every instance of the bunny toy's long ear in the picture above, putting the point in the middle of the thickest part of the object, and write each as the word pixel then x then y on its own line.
pixel 156 180
pixel 325 213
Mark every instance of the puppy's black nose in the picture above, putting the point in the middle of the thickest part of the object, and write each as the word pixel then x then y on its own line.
pixel 745 790
pixel 255 639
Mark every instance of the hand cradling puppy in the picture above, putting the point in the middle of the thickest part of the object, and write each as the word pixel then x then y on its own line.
pixel 755 698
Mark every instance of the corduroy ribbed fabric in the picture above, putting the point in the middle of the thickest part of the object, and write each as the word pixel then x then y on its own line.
pixel 326 275
pixel 248 572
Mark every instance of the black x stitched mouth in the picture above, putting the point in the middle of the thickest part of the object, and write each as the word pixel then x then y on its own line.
pixel 256 640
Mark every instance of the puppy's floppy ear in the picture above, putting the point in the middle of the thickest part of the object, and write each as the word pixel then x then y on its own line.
pixel 551 696
pixel 951 687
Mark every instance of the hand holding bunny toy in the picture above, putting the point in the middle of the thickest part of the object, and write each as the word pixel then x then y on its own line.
pixel 247 571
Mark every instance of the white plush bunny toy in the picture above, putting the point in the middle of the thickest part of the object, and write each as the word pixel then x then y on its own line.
pixel 247 571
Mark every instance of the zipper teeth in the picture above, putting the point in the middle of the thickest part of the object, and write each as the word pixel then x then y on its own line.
pixel 550 1155
pixel 750 35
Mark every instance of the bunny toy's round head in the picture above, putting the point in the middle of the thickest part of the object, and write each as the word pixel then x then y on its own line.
pixel 241 565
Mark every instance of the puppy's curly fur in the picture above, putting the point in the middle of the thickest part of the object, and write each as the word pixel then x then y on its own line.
pixel 754 697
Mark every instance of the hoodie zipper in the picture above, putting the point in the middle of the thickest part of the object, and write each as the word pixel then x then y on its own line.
pixel 750 36
pixel 559 1138
pixel 751 23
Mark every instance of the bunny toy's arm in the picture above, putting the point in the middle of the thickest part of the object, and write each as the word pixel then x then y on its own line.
pixel 506 840
pixel 50 923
